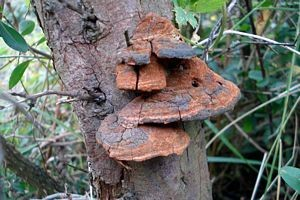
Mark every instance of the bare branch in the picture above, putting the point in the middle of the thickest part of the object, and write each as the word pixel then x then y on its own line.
pixel 28 171
pixel 76 95
pixel 273 42
pixel 65 196
pixel 36 51
pixel 256 37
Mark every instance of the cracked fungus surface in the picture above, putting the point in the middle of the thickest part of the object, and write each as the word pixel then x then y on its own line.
pixel 149 77
pixel 142 142
pixel 193 92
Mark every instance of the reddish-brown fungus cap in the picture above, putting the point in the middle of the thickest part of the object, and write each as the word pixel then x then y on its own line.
pixel 193 92
pixel 154 26
pixel 126 77
pixel 141 143
pixel 165 38
pixel 150 77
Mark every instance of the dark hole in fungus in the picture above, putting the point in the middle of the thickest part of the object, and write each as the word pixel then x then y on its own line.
pixel 195 83
pixel 220 83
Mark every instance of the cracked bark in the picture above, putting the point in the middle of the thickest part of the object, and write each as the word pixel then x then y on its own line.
pixel 89 66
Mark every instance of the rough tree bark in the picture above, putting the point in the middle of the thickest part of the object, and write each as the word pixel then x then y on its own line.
pixel 85 55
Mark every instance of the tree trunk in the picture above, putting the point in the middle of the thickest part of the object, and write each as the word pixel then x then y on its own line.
pixel 85 55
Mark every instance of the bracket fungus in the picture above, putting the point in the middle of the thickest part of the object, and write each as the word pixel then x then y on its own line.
pixel 153 35
pixel 193 92
pixel 174 86
pixel 142 142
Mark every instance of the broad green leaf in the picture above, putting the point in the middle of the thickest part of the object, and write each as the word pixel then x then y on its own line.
pixel 262 83
pixel 255 75
pixel 17 73
pixel 248 124
pixel 267 3
pixel 191 19
pixel 244 27
pixel 180 16
pixel 291 175
pixel 26 27
pixel 12 38
pixel 206 6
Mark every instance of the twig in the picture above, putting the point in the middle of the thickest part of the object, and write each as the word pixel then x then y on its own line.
pixel 257 37
pixel 268 43
pixel 69 143
pixel 27 170
pixel 65 196
pixel 34 50
pixel 6 97
pixel 261 169
pixel 77 95
pixel 14 18
pixel 48 141
pixel 245 135
pixel 198 25
pixel 77 168
pixel 91 182
pixel 62 100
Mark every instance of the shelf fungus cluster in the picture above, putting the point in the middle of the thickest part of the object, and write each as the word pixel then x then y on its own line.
pixel 174 86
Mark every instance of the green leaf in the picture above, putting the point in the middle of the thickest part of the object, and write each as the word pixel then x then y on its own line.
pixel 255 75
pixel 26 27
pixel 263 83
pixel 180 16
pixel 43 39
pixel 206 6
pixel 291 175
pixel 267 3
pixel 17 73
pixel 191 19
pixel 12 38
